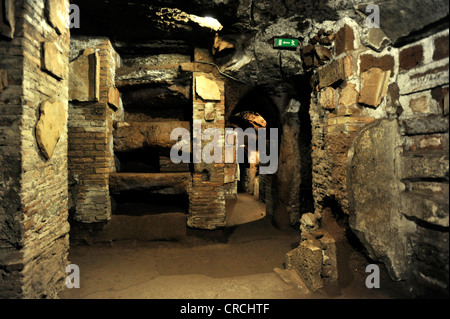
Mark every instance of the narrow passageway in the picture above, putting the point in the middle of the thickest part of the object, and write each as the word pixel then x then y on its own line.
pixel 244 209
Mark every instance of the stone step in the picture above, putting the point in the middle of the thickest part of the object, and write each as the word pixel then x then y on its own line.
pixel 164 226
pixel 138 181
pixel 130 136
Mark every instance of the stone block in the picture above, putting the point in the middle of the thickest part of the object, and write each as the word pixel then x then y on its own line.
pixel 331 73
pixel 411 57
pixel 323 53
pixel 130 136
pixel 348 95
pixel 328 98
pixel 425 125
pixel 375 39
pixel 50 126
pixel 440 48
pixel 7 21
pixel 114 97
pixel 420 104
pixel 424 167
pixel 374 86
pixel 424 77
pixel 53 60
pixel 207 89
pixel 344 40
pixel 57 14
pixel 84 79
pixel 384 62
pixel 306 259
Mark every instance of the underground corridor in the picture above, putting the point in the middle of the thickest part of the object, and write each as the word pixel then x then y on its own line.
pixel 224 149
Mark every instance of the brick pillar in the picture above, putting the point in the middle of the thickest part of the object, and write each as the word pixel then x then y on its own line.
pixel 34 243
pixel 94 104
pixel 207 196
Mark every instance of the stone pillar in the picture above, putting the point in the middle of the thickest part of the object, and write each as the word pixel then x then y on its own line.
pixel 33 148
pixel 207 197
pixel 94 103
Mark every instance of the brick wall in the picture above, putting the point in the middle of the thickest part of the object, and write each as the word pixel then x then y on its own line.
pixel 207 196
pixel 91 117
pixel 35 244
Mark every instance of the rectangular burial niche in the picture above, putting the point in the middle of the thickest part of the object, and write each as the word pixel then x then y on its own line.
pixel 142 160
pixel 139 202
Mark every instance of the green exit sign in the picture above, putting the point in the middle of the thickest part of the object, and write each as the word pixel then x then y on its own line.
pixel 285 43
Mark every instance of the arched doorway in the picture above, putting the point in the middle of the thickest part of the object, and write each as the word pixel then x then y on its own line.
pixel 254 189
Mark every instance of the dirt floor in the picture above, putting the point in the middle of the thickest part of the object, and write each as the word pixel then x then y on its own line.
pixel 245 261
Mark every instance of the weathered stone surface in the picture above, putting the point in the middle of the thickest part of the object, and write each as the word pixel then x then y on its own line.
pixel 50 126
pixel 424 77
pixel 3 80
pixel 430 208
pixel 383 62
pixel 323 53
pixel 374 86
pixel 375 38
pixel 396 19
pixel 330 273
pixel 7 21
pixel 425 125
pixel 411 57
pixel 134 135
pixel 441 48
pixel 424 166
pixel 331 73
pixel 309 222
pixel 306 259
pixel 84 77
pixel 344 40
pixel 420 104
pixel 57 14
pixel 348 95
pixel 114 97
pixel 207 89
pixel 127 181
pixel 328 98
pixel 53 60
pixel 166 74
pixel 210 112
pixel 375 214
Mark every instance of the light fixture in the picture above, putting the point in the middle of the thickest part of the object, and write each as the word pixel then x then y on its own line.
pixel 207 22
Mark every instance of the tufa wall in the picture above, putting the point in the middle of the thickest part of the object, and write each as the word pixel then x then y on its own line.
pixel 380 146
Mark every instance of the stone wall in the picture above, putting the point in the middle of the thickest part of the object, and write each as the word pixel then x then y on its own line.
pixel 380 145
pixel 33 119
pixel 207 195
pixel 95 104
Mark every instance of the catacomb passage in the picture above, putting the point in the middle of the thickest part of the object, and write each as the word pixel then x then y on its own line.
pixel 114 148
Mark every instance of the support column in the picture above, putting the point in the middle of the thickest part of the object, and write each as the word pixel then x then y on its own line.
pixel 207 197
